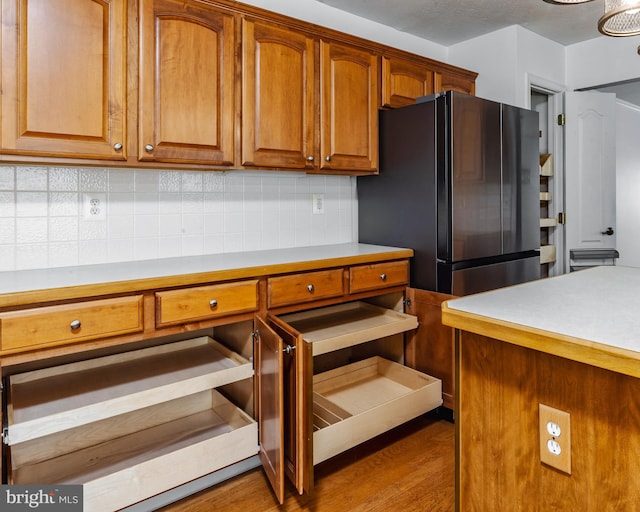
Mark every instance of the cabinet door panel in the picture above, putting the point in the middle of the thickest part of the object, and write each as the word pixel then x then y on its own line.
pixel 64 78
pixel 404 81
pixel 187 68
pixel 449 81
pixel 278 118
pixel 349 108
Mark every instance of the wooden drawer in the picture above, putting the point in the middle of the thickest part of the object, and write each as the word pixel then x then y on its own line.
pixel 123 460
pixel 344 325
pixel 363 278
pixel 69 323
pixel 205 302
pixel 43 402
pixel 354 403
pixel 305 287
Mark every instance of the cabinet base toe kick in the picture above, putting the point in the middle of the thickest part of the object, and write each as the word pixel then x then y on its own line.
pixel 357 402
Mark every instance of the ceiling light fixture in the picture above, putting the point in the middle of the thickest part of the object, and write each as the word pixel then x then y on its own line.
pixel 561 2
pixel 621 18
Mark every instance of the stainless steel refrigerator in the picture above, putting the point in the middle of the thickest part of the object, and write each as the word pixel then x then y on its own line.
pixel 458 183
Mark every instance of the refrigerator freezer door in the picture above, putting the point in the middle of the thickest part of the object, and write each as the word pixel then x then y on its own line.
pixel 489 277
pixel 520 180
pixel 475 173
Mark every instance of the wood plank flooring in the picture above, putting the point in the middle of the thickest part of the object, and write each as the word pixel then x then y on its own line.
pixel 410 468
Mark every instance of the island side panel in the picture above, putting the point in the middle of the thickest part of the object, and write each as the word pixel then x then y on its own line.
pixel 500 387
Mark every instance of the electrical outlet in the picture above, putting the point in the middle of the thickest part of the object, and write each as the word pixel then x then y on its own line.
pixel 94 206
pixel 555 438
pixel 317 203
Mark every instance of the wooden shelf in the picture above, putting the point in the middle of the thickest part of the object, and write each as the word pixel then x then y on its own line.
pixel 358 401
pixel 548 223
pixel 349 324
pixel 547 254
pixel 545 196
pixel 47 401
pixel 137 460
pixel 546 164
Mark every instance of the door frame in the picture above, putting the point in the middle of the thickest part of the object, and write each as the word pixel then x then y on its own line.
pixel 555 140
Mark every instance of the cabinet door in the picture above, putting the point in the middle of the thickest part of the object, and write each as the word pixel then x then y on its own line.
pixel 284 373
pixel 403 81
pixel 445 81
pixel 430 348
pixel 278 91
pixel 187 83
pixel 348 108
pixel 64 78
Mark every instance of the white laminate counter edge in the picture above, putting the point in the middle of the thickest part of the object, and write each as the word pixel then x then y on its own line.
pixel 20 281
pixel 600 305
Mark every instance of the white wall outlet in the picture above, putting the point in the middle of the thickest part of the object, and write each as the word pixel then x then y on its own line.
pixel 317 201
pixel 94 206
pixel 555 438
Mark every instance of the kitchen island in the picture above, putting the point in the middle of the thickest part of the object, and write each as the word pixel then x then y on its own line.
pixel 571 343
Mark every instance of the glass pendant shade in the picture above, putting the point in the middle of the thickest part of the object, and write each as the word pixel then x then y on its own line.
pixel 621 18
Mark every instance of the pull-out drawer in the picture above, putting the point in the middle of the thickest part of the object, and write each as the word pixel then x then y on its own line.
pixel 69 323
pixel 354 403
pixel 363 278
pixel 126 459
pixel 344 325
pixel 205 302
pixel 43 402
pixel 305 287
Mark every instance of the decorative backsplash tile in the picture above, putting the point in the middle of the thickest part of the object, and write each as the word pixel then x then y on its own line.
pixel 158 214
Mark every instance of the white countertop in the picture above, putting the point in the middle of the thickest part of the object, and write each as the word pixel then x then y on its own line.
pixel 20 281
pixel 600 305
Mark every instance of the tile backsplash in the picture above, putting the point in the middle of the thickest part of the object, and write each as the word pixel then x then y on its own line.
pixel 45 218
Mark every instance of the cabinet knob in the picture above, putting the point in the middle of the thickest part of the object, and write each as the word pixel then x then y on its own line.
pixel 328 158
pixel 148 148
pixel 310 158
pixel 213 303
pixel 75 325
pixel 117 146
pixel 289 348
pixel 383 277
pixel 311 288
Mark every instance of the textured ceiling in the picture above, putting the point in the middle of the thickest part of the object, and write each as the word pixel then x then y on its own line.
pixel 448 22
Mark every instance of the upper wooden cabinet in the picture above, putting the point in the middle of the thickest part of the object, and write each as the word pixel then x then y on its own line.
pixel 348 108
pixel 287 122
pixel 64 78
pixel 278 97
pixel 187 83
pixel 404 80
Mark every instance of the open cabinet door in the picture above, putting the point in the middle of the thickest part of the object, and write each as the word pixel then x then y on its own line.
pixel 283 372
pixel 298 400
pixel 269 375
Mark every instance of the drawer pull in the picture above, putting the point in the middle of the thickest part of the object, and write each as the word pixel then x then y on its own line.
pixel 213 303
pixel 383 277
pixel 75 325
pixel 311 288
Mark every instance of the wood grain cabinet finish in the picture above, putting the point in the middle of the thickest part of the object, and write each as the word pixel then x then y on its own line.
pixel 64 78
pixel 70 323
pixel 185 305
pixel 403 81
pixel 449 80
pixel 187 83
pixel 348 108
pixel 278 97
pixel 378 275
pixel 304 287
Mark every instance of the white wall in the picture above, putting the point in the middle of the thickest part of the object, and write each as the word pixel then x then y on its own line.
pixel 628 184
pixel 157 214
pixel 505 59
pixel 602 61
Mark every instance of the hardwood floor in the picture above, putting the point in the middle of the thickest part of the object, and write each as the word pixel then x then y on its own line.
pixel 408 469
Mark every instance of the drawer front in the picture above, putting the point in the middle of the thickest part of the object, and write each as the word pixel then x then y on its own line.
pixel 305 287
pixel 205 302
pixel 379 275
pixel 69 323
